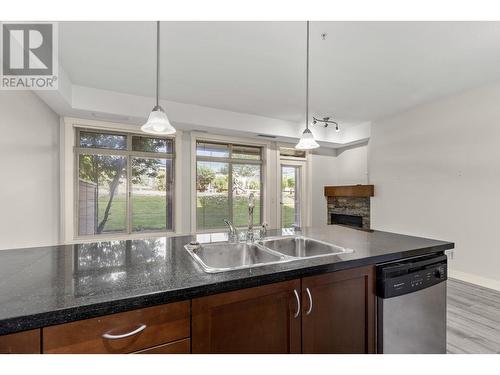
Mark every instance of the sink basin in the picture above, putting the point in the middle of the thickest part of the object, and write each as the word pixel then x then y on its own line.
pixel 223 256
pixel 303 247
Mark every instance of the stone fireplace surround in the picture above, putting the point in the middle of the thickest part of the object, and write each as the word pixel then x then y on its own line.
pixel 356 206
pixel 349 200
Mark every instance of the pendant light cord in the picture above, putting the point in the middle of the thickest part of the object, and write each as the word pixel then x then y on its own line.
pixel 157 62
pixel 307 79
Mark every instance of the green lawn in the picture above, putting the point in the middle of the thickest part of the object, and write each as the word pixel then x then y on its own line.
pixel 149 213
pixel 212 210
pixel 116 219
pixel 288 215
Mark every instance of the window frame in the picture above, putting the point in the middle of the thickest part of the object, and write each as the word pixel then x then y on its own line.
pixel 129 154
pixel 197 137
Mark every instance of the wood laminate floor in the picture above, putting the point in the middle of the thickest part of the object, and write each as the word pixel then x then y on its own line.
pixel 473 318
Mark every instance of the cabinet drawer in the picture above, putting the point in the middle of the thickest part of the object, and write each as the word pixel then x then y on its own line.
pixel 176 347
pixel 27 342
pixel 120 333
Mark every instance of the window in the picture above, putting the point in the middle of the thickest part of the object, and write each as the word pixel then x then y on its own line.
pixel 124 183
pixel 292 152
pixel 226 174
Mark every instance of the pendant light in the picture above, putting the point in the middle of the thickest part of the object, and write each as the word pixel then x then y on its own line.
pixel 158 123
pixel 307 141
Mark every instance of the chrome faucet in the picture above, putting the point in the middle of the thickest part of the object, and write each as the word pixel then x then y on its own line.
pixel 233 232
pixel 251 205
pixel 263 231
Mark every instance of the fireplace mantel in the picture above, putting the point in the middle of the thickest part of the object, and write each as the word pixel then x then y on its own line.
pixel 357 191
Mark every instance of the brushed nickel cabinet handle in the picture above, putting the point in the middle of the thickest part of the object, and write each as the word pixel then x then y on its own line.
pixel 296 315
pixel 309 310
pixel 109 336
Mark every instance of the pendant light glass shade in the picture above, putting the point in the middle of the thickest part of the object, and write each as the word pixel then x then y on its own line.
pixel 307 141
pixel 158 123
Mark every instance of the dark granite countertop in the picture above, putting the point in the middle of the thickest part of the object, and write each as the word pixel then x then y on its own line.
pixel 51 285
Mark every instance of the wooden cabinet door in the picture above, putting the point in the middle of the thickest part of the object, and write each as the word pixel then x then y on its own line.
pixel 254 320
pixel 342 316
pixel 27 342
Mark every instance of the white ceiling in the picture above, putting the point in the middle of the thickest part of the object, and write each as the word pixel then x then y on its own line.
pixel 361 72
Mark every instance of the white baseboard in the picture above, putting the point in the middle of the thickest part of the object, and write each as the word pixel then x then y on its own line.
pixel 474 279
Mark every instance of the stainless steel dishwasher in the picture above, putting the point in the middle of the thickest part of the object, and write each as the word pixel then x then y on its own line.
pixel 411 306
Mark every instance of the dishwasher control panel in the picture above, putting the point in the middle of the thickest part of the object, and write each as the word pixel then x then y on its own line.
pixel 395 279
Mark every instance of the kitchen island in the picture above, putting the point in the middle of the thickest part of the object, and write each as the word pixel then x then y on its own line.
pixel 52 290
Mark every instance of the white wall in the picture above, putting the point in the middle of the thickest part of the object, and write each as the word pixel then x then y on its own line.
pixel 436 170
pixel 347 166
pixel 352 165
pixel 29 171
pixel 185 176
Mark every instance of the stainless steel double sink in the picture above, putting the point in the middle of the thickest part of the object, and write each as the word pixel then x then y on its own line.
pixel 224 256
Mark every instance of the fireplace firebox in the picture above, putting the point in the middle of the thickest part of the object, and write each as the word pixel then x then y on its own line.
pixel 350 220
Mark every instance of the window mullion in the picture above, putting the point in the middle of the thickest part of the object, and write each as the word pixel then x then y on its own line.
pixel 261 195
pixel 129 185
pixel 229 160
pixel 112 152
pixel 230 183
pixel 230 190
